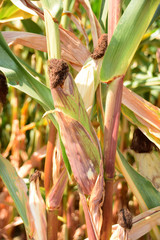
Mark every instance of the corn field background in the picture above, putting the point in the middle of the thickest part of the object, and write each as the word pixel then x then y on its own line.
pixel 79 119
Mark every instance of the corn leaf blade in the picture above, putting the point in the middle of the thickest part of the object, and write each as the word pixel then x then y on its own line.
pixel 126 38
pixel 17 190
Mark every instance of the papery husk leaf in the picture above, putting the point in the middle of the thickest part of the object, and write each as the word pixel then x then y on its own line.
pixel 92 234
pixel 87 81
pixel 55 195
pixel 80 141
pixel 37 207
pixel 143 114
pixel 96 201
pixel 58 163
pixel 18 191
pixel 148 197
pixel 60 178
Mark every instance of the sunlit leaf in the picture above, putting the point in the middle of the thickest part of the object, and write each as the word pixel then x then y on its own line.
pixel 126 38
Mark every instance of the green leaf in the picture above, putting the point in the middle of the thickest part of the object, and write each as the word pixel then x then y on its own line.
pixel 126 38
pixel 17 189
pixel 156 15
pixel 31 26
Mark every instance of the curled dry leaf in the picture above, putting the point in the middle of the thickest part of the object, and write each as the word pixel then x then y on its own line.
pixel 33 162
pixel 55 195
pixel 95 26
pixel 143 114
pixel 60 178
pixel 37 207
pixel 78 24
pixel 96 201
pixel 58 163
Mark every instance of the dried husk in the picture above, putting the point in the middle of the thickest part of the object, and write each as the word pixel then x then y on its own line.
pixel 37 207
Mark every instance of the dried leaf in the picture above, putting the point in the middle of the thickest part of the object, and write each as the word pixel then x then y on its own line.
pixel 143 114
pixel 78 24
pixel 72 49
pixel 37 206
pixel 56 193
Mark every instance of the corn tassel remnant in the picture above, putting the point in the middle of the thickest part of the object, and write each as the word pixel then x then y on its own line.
pixel 99 51
pixel 125 218
pixel 58 71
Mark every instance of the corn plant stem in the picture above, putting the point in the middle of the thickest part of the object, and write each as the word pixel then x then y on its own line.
pixel 70 221
pixel 112 115
pixel 54 51
pixel 48 161
pixel 113 16
pixel 52 229
pixel 52 224
pixel 65 19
